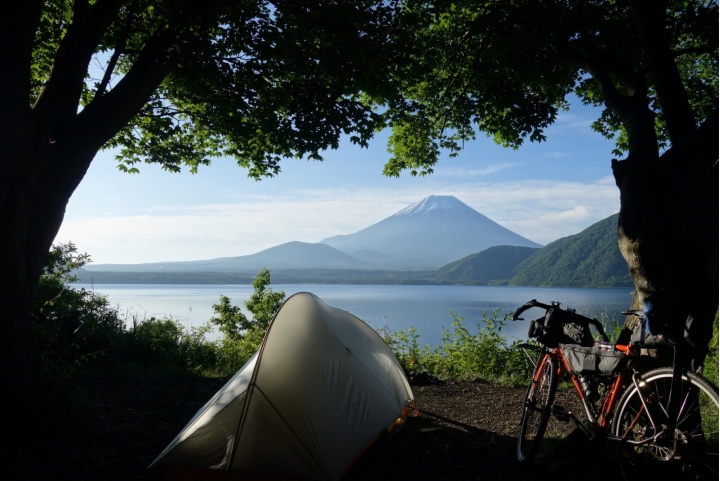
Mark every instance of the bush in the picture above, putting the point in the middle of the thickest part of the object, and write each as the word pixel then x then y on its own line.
pixel 263 304
pixel 463 355
pixel 234 353
pixel 168 344
pixel 72 326
pixel 710 370
pixel 243 336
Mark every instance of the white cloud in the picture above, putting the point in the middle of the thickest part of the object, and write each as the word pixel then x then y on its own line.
pixel 544 211
pixel 569 121
pixel 490 169
pixel 555 155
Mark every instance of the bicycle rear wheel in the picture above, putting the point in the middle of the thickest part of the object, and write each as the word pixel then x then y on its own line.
pixel 692 453
pixel 536 408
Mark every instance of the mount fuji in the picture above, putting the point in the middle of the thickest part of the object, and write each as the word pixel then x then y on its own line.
pixel 426 235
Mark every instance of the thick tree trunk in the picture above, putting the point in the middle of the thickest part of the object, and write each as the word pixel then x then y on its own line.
pixel 40 173
pixel 668 232
pixel 668 226
pixel 45 151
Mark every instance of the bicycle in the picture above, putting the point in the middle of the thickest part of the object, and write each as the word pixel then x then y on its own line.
pixel 656 423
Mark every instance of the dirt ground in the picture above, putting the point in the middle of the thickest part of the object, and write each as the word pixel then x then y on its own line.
pixel 465 431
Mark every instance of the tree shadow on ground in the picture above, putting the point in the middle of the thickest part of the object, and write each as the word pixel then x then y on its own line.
pixel 435 447
pixel 466 431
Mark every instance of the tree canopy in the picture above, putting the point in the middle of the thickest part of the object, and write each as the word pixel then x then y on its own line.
pixel 172 82
pixel 181 82
pixel 506 69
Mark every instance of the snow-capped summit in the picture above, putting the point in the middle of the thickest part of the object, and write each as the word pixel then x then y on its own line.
pixel 435 204
pixel 426 235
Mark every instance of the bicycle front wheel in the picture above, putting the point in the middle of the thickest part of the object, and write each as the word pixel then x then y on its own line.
pixel 692 452
pixel 536 408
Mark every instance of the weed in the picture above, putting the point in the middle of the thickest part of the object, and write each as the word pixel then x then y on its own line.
pixel 462 354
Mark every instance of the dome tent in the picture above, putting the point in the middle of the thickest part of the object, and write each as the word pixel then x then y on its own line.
pixel 320 390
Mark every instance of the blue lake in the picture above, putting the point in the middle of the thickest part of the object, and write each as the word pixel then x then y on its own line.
pixel 427 308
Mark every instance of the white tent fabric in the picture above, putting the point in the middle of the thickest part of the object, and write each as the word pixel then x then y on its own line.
pixel 321 389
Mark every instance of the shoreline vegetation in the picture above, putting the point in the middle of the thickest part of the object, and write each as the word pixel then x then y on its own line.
pixel 79 332
pixel 76 327
pixel 322 276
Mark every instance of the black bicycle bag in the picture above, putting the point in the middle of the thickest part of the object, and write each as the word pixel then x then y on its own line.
pixel 592 360
pixel 642 337
pixel 561 326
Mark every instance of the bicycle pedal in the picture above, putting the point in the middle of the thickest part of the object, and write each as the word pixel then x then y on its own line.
pixel 561 414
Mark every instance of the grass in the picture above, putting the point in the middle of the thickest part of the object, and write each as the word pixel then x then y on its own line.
pixel 463 353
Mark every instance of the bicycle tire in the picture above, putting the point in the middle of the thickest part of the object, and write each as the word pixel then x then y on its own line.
pixel 536 408
pixel 693 453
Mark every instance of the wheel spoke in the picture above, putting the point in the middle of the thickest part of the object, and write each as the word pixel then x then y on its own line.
pixel 536 408
pixel 691 452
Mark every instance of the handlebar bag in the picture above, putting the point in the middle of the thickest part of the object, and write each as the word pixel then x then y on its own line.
pixel 561 326
pixel 591 360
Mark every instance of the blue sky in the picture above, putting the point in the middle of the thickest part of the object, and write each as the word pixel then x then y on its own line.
pixel 542 191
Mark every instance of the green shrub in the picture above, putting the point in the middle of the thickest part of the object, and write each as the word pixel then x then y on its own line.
pixel 710 369
pixel 243 336
pixel 263 304
pixel 463 355
pixel 72 327
pixel 406 348
pixel 167 344
pixel 155 341
pixel 234 353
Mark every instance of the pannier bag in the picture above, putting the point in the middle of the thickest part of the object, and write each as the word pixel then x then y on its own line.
pixel 561 326
pixel 592 360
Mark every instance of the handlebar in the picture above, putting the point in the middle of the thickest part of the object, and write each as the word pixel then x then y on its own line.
pixel 530 305
pixel 553 304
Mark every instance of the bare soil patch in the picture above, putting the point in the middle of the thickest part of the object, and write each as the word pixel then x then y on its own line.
pixel 466 431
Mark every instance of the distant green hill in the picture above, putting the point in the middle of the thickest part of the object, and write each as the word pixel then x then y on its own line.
pixel 493 265
pixel 588 259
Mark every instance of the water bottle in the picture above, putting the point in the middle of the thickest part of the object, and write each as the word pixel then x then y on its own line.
pixel 588 387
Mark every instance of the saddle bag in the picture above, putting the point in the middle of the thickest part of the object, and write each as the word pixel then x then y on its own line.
pixel 642 337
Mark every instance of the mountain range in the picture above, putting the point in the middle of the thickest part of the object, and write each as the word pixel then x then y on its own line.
pixel 426 235
pixel 408 253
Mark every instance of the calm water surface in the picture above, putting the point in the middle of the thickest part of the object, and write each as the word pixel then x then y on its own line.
pixel 427 308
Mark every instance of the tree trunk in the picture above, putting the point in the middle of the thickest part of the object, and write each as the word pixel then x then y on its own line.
pixel 668 225
pixel 39 175
pixel 668 233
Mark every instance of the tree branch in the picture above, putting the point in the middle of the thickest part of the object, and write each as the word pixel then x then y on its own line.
pixel 60 97
pixel 106 115
pixel 119 49
pixel 650 17
pixel 696 51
